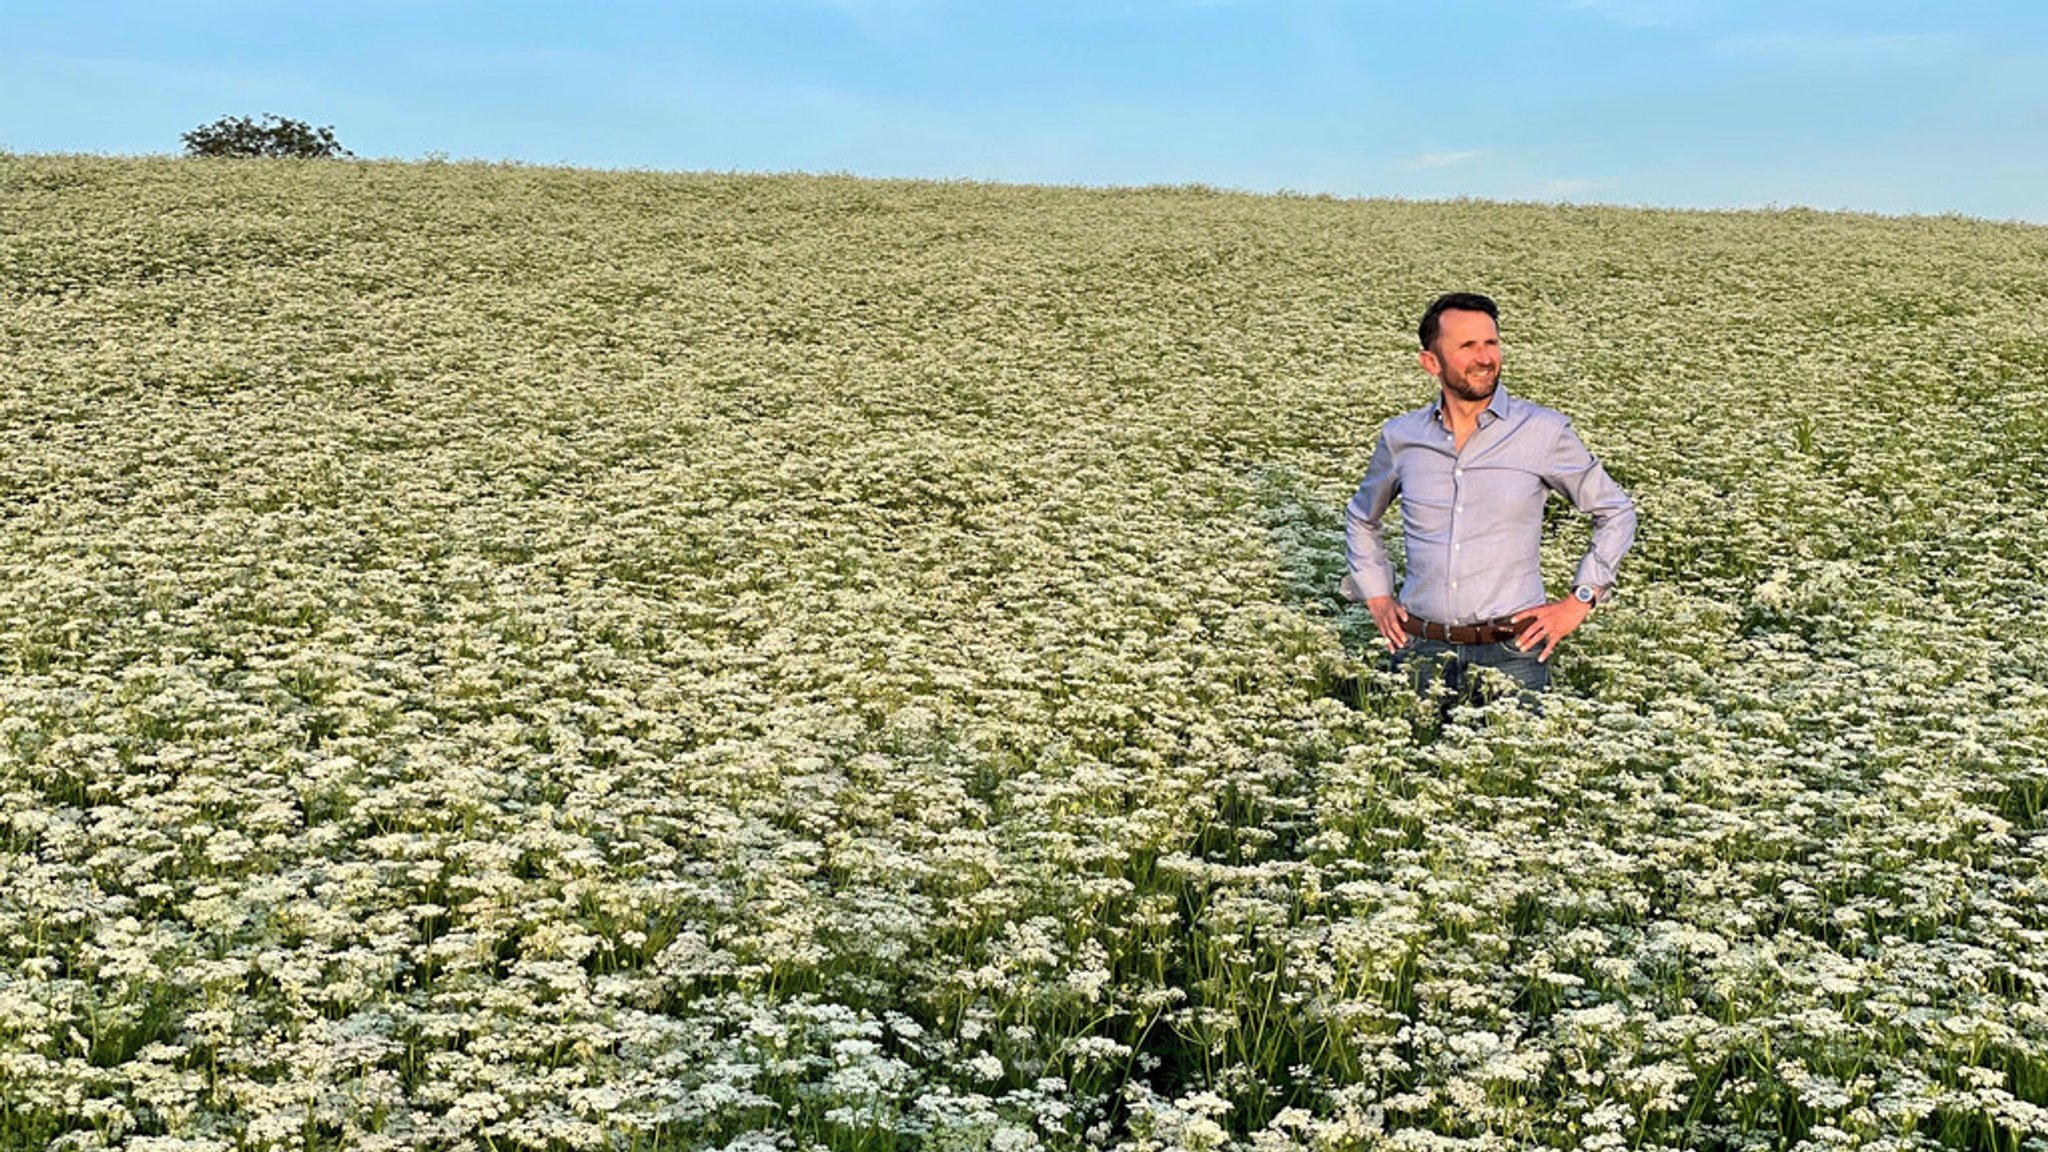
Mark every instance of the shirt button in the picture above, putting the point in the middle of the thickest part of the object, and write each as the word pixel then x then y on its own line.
pixel 1461 471
pixel 1461 507
pixel 1454 583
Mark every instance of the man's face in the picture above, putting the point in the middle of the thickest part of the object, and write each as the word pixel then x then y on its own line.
pixel 1466 355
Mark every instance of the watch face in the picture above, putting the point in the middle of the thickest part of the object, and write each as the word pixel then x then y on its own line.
pixel 1583 595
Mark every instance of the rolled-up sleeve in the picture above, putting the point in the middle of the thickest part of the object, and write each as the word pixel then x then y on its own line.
pixel 1572 471
pixel 1371 572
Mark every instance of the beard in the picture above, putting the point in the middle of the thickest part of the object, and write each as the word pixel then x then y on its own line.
pixel 1468 388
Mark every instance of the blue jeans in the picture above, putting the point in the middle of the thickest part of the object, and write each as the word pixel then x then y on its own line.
pixel 1428 662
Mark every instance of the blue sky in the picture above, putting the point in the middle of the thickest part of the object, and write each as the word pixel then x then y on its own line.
pixel 1875 105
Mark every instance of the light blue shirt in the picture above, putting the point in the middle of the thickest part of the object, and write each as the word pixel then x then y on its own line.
pixel 1473 520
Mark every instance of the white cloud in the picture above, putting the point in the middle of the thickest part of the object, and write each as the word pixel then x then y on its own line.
pixel 1846 47
pixel 1439 159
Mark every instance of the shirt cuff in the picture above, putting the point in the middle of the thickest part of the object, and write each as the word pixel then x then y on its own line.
pixel 1593 573
pixel 1368 585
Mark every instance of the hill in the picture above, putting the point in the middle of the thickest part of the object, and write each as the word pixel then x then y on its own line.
pixel 567 659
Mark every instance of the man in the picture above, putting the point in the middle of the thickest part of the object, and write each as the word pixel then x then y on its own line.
pixel 1472 470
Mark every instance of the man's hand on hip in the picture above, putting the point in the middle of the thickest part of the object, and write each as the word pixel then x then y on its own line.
pixel 1388 616
pixel 1548 624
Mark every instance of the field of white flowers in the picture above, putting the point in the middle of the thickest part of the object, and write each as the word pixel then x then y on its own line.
pixel 500 658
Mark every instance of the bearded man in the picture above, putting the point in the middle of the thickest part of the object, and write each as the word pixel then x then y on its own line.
pixel 1472 470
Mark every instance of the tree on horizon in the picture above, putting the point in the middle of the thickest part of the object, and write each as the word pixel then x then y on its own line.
pixel 273 136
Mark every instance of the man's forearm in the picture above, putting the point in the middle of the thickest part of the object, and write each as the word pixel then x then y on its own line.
pixel 1371 572
pixel 1614 533
pixel 1585 482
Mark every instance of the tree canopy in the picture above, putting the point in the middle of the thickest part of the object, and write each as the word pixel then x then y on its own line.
pixel 274 135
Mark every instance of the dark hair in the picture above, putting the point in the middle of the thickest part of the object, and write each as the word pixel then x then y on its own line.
pixel 1453 302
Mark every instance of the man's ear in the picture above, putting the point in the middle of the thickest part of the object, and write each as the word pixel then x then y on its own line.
pixel 1430 363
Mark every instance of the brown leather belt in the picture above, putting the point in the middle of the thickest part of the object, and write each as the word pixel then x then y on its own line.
pixel 1490 632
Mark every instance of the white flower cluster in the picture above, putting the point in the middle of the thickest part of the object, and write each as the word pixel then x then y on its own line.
pixel 499 658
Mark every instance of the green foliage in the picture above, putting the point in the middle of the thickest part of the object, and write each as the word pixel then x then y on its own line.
pixel 273 136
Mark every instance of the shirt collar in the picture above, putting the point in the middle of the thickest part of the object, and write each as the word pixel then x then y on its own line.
pixel 1496 407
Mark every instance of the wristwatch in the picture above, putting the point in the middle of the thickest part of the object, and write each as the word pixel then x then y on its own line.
pixel 1584 594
